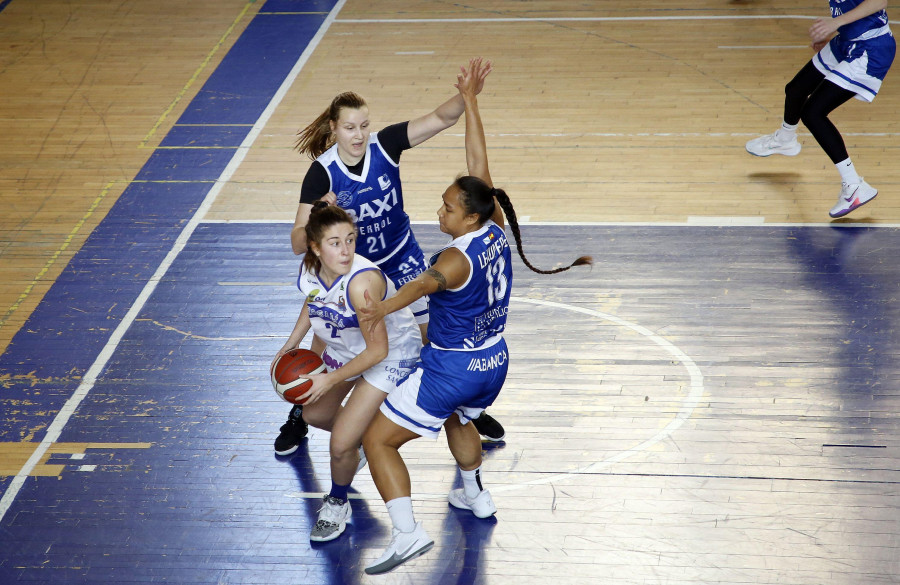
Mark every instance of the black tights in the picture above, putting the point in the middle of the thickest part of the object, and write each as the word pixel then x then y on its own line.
pixel 809 97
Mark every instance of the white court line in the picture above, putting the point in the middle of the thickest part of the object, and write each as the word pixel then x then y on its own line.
pixel 693 221
pixel 718 221
pixel 687 408
pixel 762 47
pixel 87 383
pixel 577 19
pixel 653 134
pixel 570 19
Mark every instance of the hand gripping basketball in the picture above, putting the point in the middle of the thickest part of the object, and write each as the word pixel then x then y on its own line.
pixel 289 373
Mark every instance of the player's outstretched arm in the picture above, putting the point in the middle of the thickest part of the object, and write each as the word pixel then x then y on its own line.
pixel 449 271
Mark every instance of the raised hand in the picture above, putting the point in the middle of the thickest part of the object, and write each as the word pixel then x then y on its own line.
pixel 472 78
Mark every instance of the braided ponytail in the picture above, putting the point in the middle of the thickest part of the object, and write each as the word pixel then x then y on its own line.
pixel 510 213
pixel 478 197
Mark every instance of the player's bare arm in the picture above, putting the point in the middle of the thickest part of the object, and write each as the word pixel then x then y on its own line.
pixel 451 270
pixel 438 277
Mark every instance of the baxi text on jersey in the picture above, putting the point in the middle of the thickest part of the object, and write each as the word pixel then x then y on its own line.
pixel 488 363
pixel 493 251
pixel 365 211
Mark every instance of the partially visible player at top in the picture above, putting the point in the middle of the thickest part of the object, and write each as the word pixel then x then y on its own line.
pixel 462 368
pixel 359 170
pixel 852 63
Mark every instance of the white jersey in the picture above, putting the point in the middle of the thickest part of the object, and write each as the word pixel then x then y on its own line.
pixel 334 319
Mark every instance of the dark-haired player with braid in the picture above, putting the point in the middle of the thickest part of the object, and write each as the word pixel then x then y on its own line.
pixel 462 368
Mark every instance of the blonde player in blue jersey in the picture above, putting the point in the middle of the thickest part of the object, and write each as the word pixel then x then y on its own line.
pixel 359 170
pixel 369 362
pixel 852 63
pixel 463 366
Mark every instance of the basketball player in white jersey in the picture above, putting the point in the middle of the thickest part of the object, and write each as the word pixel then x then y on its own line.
pixel 366 364
pixel 461 370
pixel 852 63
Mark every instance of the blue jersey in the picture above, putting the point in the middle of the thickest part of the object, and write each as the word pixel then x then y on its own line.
pixel 864 28
pixel 373 199
pixel 472 315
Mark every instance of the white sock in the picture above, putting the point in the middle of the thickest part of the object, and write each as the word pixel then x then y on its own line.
pixel 472 482
pixel 787 132
pixel 848 172
pixel 401 513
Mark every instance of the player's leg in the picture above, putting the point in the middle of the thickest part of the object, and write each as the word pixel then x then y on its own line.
pixel 465 446
pixel 347 430
pixel 854 190
pixel 292 432
pixel 323 412
pixel 784 140
pixel 382 442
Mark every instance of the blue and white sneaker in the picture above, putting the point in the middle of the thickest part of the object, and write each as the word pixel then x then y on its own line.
pixel 852 195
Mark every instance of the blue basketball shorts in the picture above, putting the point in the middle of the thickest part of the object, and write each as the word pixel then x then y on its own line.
pixel 857 66
pixel 445 382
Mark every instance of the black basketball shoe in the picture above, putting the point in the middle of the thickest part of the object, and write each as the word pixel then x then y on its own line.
pixel 291 432
pixel 489 429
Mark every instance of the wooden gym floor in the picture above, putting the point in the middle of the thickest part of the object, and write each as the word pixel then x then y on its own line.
pixel 714 402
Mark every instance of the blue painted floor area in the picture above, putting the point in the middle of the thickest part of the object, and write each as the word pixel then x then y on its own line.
pixel 180 483
pixel 98 286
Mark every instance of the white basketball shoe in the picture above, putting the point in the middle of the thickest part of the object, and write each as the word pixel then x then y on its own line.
pixel 852 196
pixel 775 143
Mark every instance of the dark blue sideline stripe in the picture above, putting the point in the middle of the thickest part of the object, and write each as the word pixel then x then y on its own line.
pixel 47 358
pixel 206 136
pixel 4 4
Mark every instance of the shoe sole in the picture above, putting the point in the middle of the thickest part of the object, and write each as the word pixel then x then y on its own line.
pixel 843 213
pixel 386 567
pixel 486 439
pixel 463 506
pixel 330 537
pixel 790 153
pixel 288 451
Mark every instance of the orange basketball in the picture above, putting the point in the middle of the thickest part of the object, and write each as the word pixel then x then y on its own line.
pixel 290 371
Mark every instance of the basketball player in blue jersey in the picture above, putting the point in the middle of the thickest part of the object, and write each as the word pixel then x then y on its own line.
pixel 852 63
pixel 363 364
pixel 359 170
pixel 462 368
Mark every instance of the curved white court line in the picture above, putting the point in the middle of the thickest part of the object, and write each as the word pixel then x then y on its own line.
pixel 687 408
